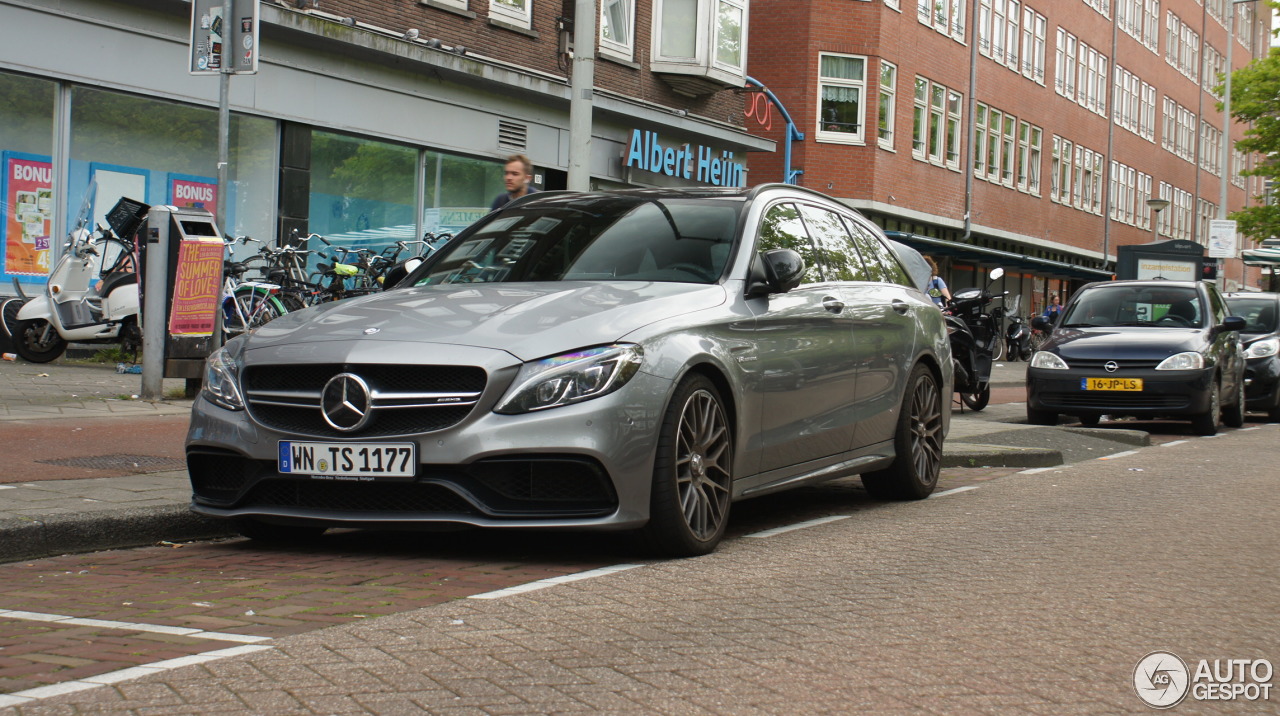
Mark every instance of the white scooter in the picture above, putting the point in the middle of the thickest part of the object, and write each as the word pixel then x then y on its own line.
pixel 92 293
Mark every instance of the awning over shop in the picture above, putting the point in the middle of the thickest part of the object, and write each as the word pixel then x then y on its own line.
pixel 981 254
pixel 1261 257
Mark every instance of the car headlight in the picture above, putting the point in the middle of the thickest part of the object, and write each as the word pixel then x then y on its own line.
pixel 571 378
pixel 1182 361
pixel 221 376
pixel 1045 359
pixel 1263 348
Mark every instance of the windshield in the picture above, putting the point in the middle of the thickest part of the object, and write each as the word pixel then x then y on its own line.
pixel 576 238
pixel 1259 312
pixel 1162 306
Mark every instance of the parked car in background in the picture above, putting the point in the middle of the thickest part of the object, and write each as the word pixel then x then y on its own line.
pixel 617 360
pixel 1150 349
pixel 1261 336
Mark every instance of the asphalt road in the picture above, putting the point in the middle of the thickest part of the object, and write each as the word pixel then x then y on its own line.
pixel 1033 592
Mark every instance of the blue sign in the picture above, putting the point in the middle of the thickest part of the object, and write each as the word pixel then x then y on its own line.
pixel 684 161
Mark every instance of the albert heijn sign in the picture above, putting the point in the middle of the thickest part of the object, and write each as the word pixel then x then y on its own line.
pixel 684 161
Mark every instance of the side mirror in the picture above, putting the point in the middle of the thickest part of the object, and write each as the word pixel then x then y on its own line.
pixel 1232 323
pixel 996 273
pixel 1040 323
pixel 777 271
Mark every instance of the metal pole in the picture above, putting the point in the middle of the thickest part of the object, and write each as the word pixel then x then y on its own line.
pixel 154 300
pixel 224 118
pixel 966 157
pixel 1226 117
pixel 582 88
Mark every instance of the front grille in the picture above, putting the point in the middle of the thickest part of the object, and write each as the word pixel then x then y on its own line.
pixel 380 497
pixel 1100 364
pixel 221 475
pixel 406 399
pixel 1114 400
pixel 568 482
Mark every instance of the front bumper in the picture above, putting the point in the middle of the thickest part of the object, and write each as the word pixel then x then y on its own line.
pixel 581 466
pixel 1164 393
pixel 1262 381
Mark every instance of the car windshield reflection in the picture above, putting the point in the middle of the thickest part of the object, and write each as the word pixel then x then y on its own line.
pixel 1259 313
pixel 1135 306
pixel 609 239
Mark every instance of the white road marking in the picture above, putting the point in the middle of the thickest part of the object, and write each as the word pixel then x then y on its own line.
pixel 953 491
pixel 131 626
pixel 1035 470
pixel 1113 456
pixel 8 487
pixel 18 698
pixel 552 581
pixel 1175 442
pixel 797 526
pixel 1256 427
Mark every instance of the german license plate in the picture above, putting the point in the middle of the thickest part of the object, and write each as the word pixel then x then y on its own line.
pixel 348 460
pixel 1134 384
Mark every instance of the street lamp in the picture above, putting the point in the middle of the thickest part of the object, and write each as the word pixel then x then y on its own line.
pixel 1226 112
pixel 1157 205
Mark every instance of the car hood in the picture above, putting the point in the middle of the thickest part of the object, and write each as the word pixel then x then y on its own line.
pixel 527 320
pixel 1144 343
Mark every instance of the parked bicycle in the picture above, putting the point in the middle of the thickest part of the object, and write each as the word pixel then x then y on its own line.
pixel 247 304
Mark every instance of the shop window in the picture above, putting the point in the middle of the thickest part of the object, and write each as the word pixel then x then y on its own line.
pixel 841 83
pixel 165 153
pixel 363 192
pixel 699 46
pixel 26 207
pixel 617 23
pixel 514 12
pixel 457 191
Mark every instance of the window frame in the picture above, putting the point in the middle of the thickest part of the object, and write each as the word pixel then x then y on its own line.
pixel 613 48
pixel 888 105
pixel 502 11
pixel 835 137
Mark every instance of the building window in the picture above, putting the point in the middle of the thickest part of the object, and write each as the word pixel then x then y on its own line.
pixel 699 46
pixel 1140 19
pixel 936 126
pixel 1215 65
pixel 888 102
pixel 998 33
pixel 516 12
pixel 1182 46
pixel 1064 76
pixel 1210 149
pixel 1034 26
pixel 945 16
pixel 919 113
pixel 617 20
pixel 954 100
pixel 1028 172
pixel 841 83
pixel 1134 104
pixel 1060 171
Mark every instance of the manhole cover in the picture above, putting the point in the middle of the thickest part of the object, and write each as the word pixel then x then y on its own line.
pixel 135 463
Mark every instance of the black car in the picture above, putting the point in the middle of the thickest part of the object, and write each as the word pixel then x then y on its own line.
pixel 1149 349
pixel 1261 349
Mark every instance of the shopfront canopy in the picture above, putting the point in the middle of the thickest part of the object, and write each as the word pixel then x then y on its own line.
pixel 1261 257
pixel 980 254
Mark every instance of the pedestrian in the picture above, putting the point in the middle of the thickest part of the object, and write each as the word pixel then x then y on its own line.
pixel 938 290
pixel 517 174
pixel 1054 308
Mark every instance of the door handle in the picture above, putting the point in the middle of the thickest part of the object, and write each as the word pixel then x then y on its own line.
pixel 900 306
pixel 833 304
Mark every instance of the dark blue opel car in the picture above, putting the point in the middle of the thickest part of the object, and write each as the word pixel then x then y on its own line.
pixel 1148 349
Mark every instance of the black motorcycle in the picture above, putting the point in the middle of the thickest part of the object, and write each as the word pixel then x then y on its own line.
pixel 1018 339
pixel 975 335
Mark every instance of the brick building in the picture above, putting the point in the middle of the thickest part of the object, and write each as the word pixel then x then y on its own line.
pixel 1024 134
pixel 368 121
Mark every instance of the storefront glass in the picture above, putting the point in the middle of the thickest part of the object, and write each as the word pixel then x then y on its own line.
pixel 457 191
pixel 362 191
pixel 26 187
pixel 167 153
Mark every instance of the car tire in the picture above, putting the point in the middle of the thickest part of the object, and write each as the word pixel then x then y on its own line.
pixel 1041 417
pixel 1273 413
pixel 27 342
pixel 1233 413
pixel 978 400
pixel 1089 421
pixel 259 531
pixel 1206 423
pixel 917 442
pixel 692 473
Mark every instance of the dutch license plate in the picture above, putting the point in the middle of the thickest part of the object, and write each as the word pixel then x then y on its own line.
pixel 1133 384
pixel 368 461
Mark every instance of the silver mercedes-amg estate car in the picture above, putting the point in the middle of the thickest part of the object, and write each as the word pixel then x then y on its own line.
pixel 631 360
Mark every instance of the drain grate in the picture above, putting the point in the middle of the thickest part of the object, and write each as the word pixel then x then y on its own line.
pixel 136 463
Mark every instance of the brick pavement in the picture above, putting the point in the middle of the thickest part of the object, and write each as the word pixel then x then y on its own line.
pixel 1035 594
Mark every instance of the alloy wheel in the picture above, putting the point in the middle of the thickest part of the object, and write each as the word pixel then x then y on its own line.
pixel 926 429
pixel 702 464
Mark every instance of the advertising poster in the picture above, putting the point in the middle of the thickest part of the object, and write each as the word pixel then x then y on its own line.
pixel 1169 269
pixel 195 288
pixel 192 192
pixel 28 196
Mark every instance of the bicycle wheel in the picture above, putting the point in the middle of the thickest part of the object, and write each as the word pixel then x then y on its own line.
pixel 253 307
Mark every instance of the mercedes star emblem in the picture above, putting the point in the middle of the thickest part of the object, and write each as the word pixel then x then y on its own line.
pixel 1111 366
pixel 346 403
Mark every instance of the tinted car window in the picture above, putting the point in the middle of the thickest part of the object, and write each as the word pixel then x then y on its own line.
pixel 625 238
pixel 835 247
pixel 1259 312
pixel 1171 306
pixel 879 260
pixel 782 228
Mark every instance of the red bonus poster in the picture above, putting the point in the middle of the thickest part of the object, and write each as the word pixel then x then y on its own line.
pixel 196 288
pixel 29 195
pixel 192 193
